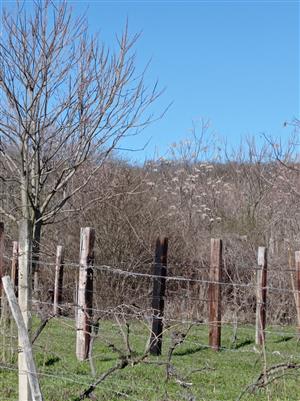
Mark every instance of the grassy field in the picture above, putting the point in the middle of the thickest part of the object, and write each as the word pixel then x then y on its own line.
pixel 210 375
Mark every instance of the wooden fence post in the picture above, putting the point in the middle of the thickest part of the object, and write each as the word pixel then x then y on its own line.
pixel 261 295
pixel 297 287
pixel 159 288
pixel 75 298
pixel 24 297
pixel 15 266
pixel 29 368
pixel 85 292
pixel 1 261
pixel 4 309
pixel 214 294
pixel 58 282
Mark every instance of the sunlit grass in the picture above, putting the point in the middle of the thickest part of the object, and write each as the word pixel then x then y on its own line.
pixel 209 375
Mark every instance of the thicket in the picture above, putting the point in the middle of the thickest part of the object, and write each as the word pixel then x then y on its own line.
pixel 249 199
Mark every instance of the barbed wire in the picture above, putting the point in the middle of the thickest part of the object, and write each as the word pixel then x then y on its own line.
pixel 104 386
pixel 118 389
pixel 144 316
pixel 253 268
pixel 113 386
pixel 176 323
pixel 71 379
pixel 114 270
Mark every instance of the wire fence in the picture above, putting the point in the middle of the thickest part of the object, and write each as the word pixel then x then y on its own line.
pixel 119 324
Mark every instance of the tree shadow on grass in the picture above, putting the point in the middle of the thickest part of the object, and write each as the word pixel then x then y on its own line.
pixel 52 361
pixel 284 339
pixel 194 350
pixel 189 351
pixel 107 358
pixel 242 344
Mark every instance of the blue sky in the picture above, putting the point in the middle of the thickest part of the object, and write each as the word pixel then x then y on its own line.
pixel 233 62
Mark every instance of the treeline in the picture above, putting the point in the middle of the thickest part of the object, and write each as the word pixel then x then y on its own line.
pixel 248 200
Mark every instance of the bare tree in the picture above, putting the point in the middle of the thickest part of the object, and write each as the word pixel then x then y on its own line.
pixel 65 103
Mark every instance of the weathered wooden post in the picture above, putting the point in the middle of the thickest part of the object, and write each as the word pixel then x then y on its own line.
pixel 24 297
pixel 297 288
pixel 58 282
pixel 14 279
pixel 4 312
pixel 214 294
pixel 261 295
pixel 75 298
pixel 1 261
pixel 15 266
pixel 85 292
pixel 24 342
pixel 159 288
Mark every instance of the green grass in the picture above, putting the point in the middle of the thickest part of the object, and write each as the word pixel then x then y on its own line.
pixel 226 372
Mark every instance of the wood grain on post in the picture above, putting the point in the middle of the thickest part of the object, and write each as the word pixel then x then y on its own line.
pixel 4 308
pixel 261 295
pixel 58 282
pixel 214 294
pixel 85 293
pixel 15 266
pixel 159 288
pixel 29 369
pixel 1 260
pixel 297 287
pixel 24 297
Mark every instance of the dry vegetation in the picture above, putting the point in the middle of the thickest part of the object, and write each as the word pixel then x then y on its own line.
pixel 248 201
pixel 60 170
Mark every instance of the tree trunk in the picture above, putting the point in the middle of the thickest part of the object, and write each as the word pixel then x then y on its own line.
pixel 36 240
pixel 24 291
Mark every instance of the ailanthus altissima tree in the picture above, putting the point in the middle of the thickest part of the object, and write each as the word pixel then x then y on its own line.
pixel 66 101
